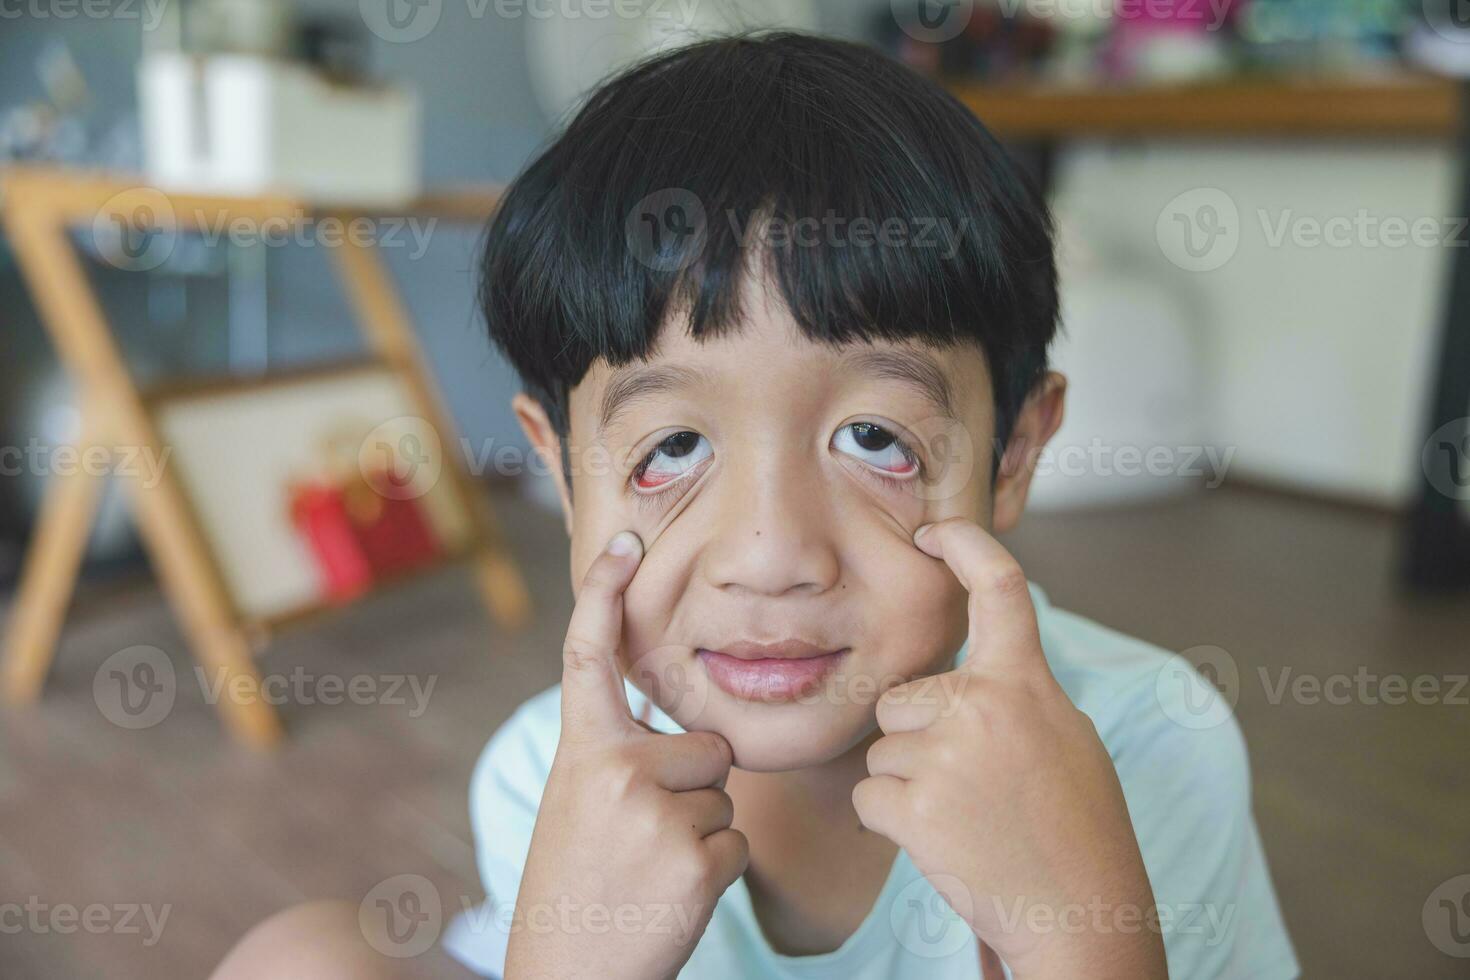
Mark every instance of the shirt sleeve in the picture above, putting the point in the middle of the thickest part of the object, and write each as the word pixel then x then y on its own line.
pixel 1186 777
pixel 505 794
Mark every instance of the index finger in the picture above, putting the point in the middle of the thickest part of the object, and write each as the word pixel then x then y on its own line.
pixel 592 695
pixel 1003 628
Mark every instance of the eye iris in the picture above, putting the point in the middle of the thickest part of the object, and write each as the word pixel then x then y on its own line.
pixel 679 444
pixel 871 437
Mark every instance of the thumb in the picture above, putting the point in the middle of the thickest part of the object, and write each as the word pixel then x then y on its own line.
pixel 592 696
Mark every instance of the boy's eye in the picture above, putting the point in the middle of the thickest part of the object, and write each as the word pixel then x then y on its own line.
pixel 877 447
pixel 671 459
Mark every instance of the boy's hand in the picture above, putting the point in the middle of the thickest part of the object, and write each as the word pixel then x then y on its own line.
pixel 1000 790
pixel 633 843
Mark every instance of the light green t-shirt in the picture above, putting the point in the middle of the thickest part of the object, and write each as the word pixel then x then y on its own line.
pixel 1179 756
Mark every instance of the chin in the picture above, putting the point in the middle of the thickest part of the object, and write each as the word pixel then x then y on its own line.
pixel 783 737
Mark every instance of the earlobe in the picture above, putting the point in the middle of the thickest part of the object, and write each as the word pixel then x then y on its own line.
pixel 1039 419
pixel 542 435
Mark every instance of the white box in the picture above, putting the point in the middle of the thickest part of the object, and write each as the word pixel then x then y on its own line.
pixel 236 124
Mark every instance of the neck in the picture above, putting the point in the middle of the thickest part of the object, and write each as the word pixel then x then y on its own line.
pixel 814 870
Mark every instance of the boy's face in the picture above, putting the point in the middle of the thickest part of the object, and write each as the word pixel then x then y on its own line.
pixel 776 483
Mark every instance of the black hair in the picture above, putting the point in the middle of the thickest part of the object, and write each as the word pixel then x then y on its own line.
pixel 642 209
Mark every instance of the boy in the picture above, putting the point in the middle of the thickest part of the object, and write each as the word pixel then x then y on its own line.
pixel 781 307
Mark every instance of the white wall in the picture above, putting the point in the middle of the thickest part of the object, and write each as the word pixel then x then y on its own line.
pixel 1317 357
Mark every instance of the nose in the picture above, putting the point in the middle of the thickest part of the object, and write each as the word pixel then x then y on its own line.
pixel 769 532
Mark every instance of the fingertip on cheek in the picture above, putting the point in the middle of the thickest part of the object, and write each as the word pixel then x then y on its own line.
pixel 925 540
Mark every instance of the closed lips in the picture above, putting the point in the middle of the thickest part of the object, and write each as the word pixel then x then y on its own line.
pixel 770 672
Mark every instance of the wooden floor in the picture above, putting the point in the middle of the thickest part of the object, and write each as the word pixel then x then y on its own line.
pixel 1364 808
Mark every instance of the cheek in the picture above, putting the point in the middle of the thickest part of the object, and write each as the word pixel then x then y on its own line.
pixel 916 608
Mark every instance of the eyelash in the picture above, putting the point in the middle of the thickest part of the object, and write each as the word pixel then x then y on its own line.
pixel 654 498
pixel 899 443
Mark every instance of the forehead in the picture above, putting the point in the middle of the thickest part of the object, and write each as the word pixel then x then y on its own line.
pixel 767 357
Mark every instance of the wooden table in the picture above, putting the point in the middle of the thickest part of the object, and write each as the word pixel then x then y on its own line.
pixel 1398 107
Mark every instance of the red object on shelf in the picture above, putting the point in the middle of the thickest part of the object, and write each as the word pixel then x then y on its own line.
pixel 392 530
pixel 320 515
pixel 359 535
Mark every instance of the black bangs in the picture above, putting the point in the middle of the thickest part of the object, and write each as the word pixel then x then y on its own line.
pixel 878 205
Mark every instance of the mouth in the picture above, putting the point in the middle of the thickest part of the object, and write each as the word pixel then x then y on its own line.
pixel 770 672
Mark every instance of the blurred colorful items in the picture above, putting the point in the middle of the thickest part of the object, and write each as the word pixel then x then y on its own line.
pixel 1170 41
pixel 362 524
pixel 1135 41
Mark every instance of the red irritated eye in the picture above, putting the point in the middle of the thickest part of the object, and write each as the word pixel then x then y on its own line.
pixel 877 447
pixel 671 459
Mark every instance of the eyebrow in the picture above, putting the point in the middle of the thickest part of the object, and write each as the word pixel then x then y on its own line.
pixel 634 383
pixel 912 368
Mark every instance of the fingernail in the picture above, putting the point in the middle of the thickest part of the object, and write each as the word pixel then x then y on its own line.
pixel 624 543
pixel 921 531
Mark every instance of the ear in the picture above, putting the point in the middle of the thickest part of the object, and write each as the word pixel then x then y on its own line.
pixel 544 440
pixel 1038 421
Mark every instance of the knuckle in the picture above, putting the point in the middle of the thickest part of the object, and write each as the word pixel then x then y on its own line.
pixel 581 653
pixel 716 750
pixel 925 803
pixel 724 808
pixel 621 777
pixel 1006 579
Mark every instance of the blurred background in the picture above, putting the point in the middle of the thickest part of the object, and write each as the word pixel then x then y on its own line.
pixel 1261 210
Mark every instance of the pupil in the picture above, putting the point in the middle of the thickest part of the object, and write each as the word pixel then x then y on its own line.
pixel 871 437
pixel 680 444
